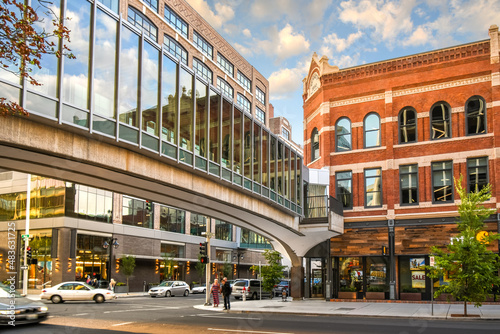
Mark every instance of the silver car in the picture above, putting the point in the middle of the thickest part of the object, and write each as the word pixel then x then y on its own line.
pixel 17 310
pixel 170 288
pixel 76 291
pixel 251 288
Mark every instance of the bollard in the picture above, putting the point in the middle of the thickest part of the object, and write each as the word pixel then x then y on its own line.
pixel 283 294
pixel 244 296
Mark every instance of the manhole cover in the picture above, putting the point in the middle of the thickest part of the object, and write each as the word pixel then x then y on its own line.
pixel 345 309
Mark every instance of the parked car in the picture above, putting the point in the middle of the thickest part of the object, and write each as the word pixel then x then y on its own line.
pixel 170 288
pixel 278 289
pixel 76 291
pixel 199 288
pixel 252 289
pixel 25 310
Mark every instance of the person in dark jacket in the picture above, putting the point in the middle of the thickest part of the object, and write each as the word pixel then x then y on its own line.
pixel 226 292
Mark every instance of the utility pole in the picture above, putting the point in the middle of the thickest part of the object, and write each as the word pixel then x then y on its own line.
pixel 208 236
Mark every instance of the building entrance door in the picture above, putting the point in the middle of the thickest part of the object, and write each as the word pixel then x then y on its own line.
pixel 317 283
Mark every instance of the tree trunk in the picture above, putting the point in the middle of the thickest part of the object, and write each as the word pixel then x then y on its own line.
pixel 465 308
pixel 128 286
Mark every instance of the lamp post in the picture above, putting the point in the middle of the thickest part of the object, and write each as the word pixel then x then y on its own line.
pixel 238 256
pixel 113 242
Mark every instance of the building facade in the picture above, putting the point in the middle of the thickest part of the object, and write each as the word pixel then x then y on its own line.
pixel 394 135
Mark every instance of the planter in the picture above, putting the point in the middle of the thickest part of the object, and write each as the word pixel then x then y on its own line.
pixel 415 296
pixel 347 294
pixel 445 297
pixel 375 295
pixel 121 289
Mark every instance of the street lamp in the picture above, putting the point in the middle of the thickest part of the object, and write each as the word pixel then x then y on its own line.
pixel 238 256
pixel 113 242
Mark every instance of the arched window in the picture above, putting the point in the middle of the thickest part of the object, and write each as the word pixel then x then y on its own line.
pixel 407 125
pixel 314 144
pixel 475 111
pixel 343 139
pixel 440 121
pixel 372 130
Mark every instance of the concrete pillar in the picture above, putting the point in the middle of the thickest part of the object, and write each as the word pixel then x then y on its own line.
pixel 297 282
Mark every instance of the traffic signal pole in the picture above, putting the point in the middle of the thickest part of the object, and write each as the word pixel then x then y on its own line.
pixel 27 239
pixel 205 250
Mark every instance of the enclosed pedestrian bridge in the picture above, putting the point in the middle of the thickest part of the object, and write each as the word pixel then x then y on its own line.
pixel 261 189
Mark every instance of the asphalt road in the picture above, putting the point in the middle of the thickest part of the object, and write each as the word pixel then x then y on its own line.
pixel 177 315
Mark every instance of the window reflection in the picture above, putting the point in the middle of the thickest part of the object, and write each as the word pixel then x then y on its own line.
pixel 89 203
pixel 440 121
pixel 476 115
pixel 223 230
pixel 226 134
pixel 172 220
pixel 149 91
pixel 129 77
pixel 372 130
pixel 343 135
pixel 186 111
pixel 214 126
pixel 198 224
pixel 169 100
pixel 201 119
pixel 408 126
pixel 237 141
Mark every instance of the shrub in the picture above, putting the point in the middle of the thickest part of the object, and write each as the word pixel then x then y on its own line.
pixel 348 289
pixel 375 289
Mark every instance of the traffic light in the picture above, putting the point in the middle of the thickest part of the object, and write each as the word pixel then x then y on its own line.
pixel 204 259
pixel 203 249
pixel 149 206
pixel 28 253
pixel 385 250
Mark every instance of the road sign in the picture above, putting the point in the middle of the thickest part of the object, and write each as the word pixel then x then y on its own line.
pixel 24 267
pixel 25 236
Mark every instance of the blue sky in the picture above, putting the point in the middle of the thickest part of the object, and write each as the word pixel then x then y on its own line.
pixel 278 37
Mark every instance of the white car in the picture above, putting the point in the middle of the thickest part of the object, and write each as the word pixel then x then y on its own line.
pixel 170 288
pixel 197 288
pixel 76 291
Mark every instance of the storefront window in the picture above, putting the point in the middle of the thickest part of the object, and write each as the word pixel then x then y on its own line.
pixel 412 274
pixel 351 273
pixel 172 251
pixel 377 268
pixel 91 257
pixel 40 267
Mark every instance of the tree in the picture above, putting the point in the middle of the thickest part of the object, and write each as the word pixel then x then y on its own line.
pixel 128 266
pixel 272 273
pixel 226 269
pixel 200 268
pixel 471 267
pixel 168 269
pixel 24 38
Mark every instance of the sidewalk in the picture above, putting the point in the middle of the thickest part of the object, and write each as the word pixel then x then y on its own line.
pixel 363 309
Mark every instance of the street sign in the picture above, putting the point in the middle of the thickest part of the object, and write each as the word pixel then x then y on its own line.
pixel 431 261
pixel 25 236
pixel 24 267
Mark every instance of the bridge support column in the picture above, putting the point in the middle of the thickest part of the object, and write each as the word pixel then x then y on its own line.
pixel 297 281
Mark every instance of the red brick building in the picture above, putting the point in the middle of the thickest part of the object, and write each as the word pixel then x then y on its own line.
pixel 394 134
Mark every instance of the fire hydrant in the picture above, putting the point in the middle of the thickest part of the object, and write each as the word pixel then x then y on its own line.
pixel 283 294
pixel 244 294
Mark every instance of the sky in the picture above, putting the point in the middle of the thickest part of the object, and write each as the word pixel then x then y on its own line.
pixel 279 37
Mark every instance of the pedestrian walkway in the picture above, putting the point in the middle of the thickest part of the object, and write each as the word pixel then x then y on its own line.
pixel 363 309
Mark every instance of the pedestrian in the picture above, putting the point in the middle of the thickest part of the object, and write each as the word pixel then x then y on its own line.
pixel 88 279
pixel 112 284
pixel 226 292
pixel 215 291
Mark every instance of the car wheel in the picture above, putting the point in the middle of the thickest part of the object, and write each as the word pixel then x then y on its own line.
pixel 99 299
pixel 254 296
pixel 236 298
pixel 186 293
pixel 204 290
pixel 56 299
pixel 168 294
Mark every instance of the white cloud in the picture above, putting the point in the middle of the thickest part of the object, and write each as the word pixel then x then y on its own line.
pixel 284 83
pixel 224 13
pixel 246 52
pixel 387 19
pixel 247 33
pixel 310 12
pixel 284 43
pixel 419 37
pixel 340 44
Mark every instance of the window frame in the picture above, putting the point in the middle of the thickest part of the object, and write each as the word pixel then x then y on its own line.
pixel 341 194
pixel 379 130
pixel 365 188
pixel 448 118
pixel 178 45
pixel 246 107
pixel 244 81
pixel 416 173
pixel 401 127
pixel 199 73
pixel 260 115
pixel 285 133
pixel 149 3
pixel 314 133
pixel 434 201
pixel 485 118
pixel 183 23
pixel 486 165
pixel 132 9
pixel 222 85
pixel 260 95
pixel 339 135
pixel 226 66
pixel 203 45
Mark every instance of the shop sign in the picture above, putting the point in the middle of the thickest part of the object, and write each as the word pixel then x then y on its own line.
pixel 482 237
pixel 418 279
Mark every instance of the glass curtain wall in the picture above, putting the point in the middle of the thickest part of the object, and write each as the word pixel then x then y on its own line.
pixel 247 155
pixel 237 131
pixel 226 138
pixel 198 224
pixel 200 147
pixel 214 131
pixel 186 117
pixel 256 157
pixel 169 107
pixel 149 96
pixel 172 220
pixel 91 257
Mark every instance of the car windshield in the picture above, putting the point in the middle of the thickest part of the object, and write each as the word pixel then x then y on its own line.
pixel 5 292
pixel 240 283
pixel 166 283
